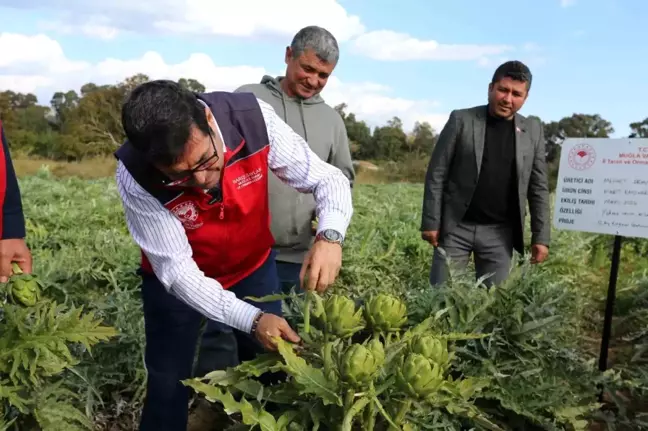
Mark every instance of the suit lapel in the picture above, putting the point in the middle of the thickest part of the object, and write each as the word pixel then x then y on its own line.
pixel 521 141
pixel 479 136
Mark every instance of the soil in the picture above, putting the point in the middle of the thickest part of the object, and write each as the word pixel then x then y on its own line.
pixel 206 416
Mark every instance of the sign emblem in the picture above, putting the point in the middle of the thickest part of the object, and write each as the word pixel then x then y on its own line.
pixel 581 157
pixel 187 212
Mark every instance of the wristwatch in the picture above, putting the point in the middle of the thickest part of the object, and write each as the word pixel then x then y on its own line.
pixel 330 235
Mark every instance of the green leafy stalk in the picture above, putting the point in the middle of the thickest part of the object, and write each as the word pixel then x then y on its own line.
pixel 307 311
pixel 402 411
pixel 352 412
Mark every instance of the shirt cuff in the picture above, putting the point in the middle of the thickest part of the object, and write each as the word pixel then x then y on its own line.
pixel 242 315
pixel 334 221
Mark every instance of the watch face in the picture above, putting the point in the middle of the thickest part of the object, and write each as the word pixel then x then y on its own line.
pixel 331 235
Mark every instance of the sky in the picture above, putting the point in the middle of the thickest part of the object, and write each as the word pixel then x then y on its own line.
pixel 414 59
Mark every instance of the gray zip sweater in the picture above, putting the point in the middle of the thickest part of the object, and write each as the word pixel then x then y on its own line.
pixel 323 128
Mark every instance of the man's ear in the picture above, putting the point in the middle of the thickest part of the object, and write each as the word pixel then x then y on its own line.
pixel 209 115
pixel 288 55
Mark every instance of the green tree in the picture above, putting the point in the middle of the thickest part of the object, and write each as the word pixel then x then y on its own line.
pixel 585 126
pixel 26 123
pixel 62 105
pixel 575 126
pixel 358 132
pixel 82 123
pixel 20 100
pixel 192 85
pixel 639 129
pixel 92 87
pixel 11 104
pixel 136 80
pixel 390 141
pixel 423 139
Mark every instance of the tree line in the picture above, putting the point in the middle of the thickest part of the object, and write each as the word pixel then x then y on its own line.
pixel 80 125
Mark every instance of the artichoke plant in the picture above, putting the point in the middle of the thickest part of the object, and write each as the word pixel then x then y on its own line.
pixel 377 350
pixel 385 313
pixel 359 364
pixel 340 317
pixel 419 377
pixel 23 289
pixel 432 348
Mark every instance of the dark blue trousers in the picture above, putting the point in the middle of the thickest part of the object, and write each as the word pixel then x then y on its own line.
pixel 172 329
pixel 288 274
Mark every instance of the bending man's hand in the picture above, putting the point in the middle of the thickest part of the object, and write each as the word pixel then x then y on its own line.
pixel 14 251
pixel 271 326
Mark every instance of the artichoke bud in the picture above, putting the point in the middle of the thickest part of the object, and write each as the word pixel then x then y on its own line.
pixel 341 317
pixel 419 377
pixel 377 350
pixel 24 290
pixel 431 347
pixel 385 312
pixel 358 365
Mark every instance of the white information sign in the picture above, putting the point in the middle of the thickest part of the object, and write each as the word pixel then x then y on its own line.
pixel 603 186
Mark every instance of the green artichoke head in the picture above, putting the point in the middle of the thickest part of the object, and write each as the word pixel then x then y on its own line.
pixel 341 317
pixel 385 312
pixel 23 289
pixel 432 348
pixel 360 364
pixel 377 350
pixel 419 377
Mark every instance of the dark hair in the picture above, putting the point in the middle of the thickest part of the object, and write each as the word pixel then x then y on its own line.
pixel 515 70
pixel 157 117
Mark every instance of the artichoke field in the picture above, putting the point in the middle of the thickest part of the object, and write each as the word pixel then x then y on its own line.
pixel 39 341
pixel 381 349
pixel 363 367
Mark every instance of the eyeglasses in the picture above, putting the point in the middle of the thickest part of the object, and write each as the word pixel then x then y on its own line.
pixel 185 176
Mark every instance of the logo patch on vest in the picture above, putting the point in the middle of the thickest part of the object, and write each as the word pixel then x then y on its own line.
pixel 187 212
pixel 248 178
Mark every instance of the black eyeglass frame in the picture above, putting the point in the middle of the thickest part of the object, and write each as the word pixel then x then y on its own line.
pixel 204 165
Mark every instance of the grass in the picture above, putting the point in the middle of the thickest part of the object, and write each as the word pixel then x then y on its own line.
pixel 103 167
pixel 84 253
pixel 100 167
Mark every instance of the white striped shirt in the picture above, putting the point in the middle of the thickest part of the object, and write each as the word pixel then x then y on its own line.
pixel 162 237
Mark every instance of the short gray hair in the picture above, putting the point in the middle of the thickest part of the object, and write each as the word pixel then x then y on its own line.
pixel 319 40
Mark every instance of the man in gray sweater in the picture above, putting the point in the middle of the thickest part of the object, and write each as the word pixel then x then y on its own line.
pixel 310 60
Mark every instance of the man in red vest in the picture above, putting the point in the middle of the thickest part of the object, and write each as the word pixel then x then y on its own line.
pixel 13 248
pixel 193 178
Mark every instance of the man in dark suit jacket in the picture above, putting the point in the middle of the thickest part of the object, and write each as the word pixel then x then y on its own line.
pixel 487 162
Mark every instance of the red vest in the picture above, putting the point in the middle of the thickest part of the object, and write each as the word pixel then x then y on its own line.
pixel 229 238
